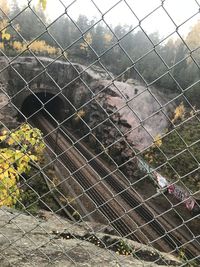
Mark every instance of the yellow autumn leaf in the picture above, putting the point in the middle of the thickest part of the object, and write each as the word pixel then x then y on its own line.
pixel 15 160
pixel 5 35
pixel 2 46
pixel 3 137
pixel 108 37
pixel 33 157
pixel 158 140
pixel 10 141
pixel 87 42
pixel 179 112
pixel 43 3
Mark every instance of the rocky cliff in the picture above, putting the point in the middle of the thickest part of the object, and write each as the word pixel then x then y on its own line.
pixel 49 240
pixel 140 111
pixel 119 118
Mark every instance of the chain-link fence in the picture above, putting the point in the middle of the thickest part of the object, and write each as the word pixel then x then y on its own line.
pixel 99 133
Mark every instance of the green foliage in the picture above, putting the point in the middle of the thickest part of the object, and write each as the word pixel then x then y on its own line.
pixel 182 256
pixel 18 149
pixel 123 248
pixel 35 195
pixel 179 153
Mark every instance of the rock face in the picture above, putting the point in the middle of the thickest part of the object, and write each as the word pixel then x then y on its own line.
pixel 121 117
pixel 7 111
pixel 125 118
pixel 27 241
pixel 28 75
pixel 137 109
pixel 140 109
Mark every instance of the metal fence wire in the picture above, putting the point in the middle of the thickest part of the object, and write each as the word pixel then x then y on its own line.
pixel 111 178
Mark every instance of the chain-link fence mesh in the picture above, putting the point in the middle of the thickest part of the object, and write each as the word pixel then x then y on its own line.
pixel 117 164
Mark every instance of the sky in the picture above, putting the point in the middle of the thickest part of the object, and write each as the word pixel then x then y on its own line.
pixel 131 12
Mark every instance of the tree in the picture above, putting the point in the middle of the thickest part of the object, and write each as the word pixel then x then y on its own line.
pixel 4 7
pixel 98 37
pixel 14 9
pixel 193 36
pixel 87 41
pixel 61 30
pixel 5 36
pixel 83 23
pixel 18 150
pixel 4 11
pixel 28 23
pixel 193 62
